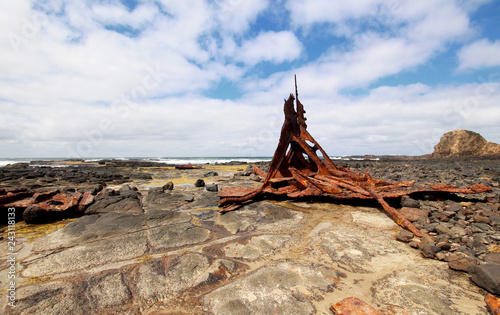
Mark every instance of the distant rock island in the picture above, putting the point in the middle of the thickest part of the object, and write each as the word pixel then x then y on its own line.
pixel 462 143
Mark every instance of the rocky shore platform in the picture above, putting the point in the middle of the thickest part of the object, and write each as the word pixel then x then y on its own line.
pixel 153 242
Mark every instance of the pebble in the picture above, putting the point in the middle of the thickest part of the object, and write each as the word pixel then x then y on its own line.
pixel 405 236
pixel 441 229
pixel 460 261
pixel 199 183
pixel 407 201
pixel 428 250
pixel 212 187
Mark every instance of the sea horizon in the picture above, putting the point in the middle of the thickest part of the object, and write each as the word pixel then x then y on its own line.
pixel 200 160
pixel 163 160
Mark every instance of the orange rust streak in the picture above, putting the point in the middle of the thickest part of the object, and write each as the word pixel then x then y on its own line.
pixel 492 304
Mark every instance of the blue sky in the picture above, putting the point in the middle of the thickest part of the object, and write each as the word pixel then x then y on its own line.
pixel 208 77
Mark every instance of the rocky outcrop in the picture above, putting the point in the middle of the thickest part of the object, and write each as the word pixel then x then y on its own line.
pixel 45 206
pixel 459 143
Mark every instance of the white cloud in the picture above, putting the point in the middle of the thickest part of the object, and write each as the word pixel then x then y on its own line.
pixel 472 5
pixel 395 37
pixel 305 12
pixel 479 54
pixel 117 14
pixel 12 17
pixel 275 47
pixel 428 18
pixel 76 84
pixel 235 16
pixel 411 118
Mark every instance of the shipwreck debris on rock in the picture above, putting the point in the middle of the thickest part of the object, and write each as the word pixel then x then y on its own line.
pixel 296 171
pixel 353 306
pixel 492 304
pixel 46 206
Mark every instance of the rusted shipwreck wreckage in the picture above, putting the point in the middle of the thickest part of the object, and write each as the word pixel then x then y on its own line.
pixel 296 171
pixel 45 206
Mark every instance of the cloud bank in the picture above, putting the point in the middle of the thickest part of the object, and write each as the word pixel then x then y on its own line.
pixel 208 78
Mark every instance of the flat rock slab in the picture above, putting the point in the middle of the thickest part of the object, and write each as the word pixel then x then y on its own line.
pixel 282 288
pixel 175 235
pixel 427 290
pixel 266 258
pixel 255 247
pixel 127 289
pixel 260 216
pixel 91 228
pixel 86 256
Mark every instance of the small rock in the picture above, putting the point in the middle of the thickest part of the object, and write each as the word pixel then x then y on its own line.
pixel 413 214
pixel 168 186
pixel 428 250
pixel 242 173
pixel 454 247
pixel 442 238
pixel 441 229
pixel 189 199
pixel 460 215
pixel 199 183
pixel 423 221
pixel 212 187
pixel 477 243
pixel 492 258
pixel 495 237
pixel 493 197
pixel 486 276
pixel 453 206
pixel 460 261
pixel 479 218
pixel 255 178
pixel 495 220
pixel 405 236
pixel 443 246
pixel 440 256
pixel 466 204
pixel 407 201
pixel 427 239
pixel 414 244
pixel 482 227
pixel 449 214
pixel 458 232
pixel 211 174
pixel 483 207
pixel 431 227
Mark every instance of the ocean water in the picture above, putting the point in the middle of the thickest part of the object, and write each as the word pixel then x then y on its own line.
pixel 164 160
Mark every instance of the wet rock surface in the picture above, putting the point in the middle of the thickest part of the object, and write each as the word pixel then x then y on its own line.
pixel 143 248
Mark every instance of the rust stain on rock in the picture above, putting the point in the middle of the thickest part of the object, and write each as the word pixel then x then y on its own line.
pixel 353 306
